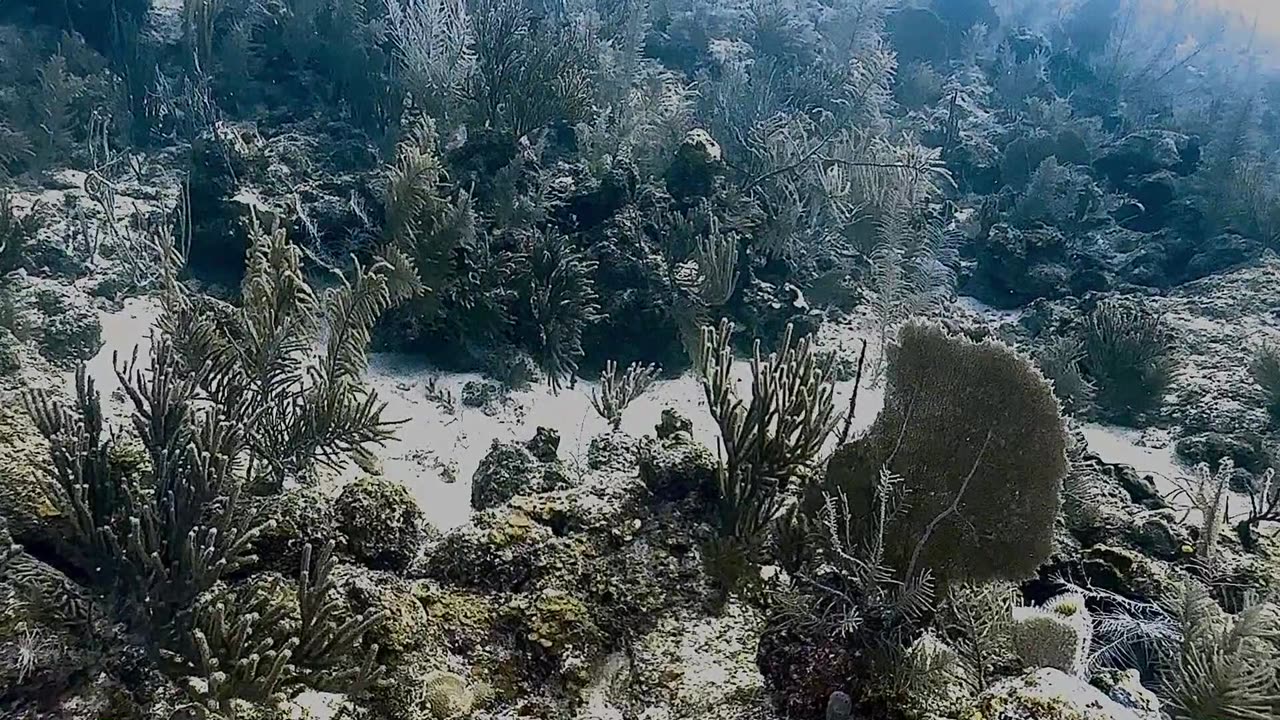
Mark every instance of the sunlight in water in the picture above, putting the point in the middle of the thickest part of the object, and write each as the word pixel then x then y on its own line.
pixel 1266 12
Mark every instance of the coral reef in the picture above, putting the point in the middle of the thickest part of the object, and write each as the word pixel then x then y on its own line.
pixel 1012 223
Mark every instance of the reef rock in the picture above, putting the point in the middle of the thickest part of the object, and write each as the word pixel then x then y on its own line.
pixel 293 519
pixel 677 467
pixel 697 167
pixel 70 329
pixel 1149 151
pixel 383 525
pixel 1125 687
pixel 510 469
pixel 32 516
pixel 1048 694
pixel 1210 448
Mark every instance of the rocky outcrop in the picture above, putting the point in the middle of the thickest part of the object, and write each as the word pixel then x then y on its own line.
pixel 291 520
pixel 383 525
pixel 1016 266
pixel 511 469
pixel 319 179
pixel 1048 694
pixel 1143 153
pixel 697 168
pixel 536 592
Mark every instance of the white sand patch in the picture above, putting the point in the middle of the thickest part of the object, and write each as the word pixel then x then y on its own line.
pixel 433 442
pixel 437 451
pixel 1122 446
pixel 977 307
pixel 317 705
pixel 122 332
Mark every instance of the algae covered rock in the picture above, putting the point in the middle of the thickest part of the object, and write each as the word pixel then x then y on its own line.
pixel 1245 450
pixel 404 626
pixel 10 352
pixel 699 162
pixel 1126 572
pixel 293 518
pixel 72 335
pixel 544 445
pixel 557 620
pixel 1125 687
pixel 704 667
pixel 510 469
pixel 1149 151
pixel 38 660
pixel 32 516
pixel 613 450
pixel 496 550
pixel 1160 535
pixel 677 467
pixel 383 525
pixel 671 423
pixel 1048 694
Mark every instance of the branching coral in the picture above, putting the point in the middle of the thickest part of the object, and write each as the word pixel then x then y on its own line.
pixel 717 258
pixel 1207 491
pixel 157 547
pixel 772 440
pixel 1059 360
pixel 238 401
pixel 1264 507
pixel 257 360
pixel 17 231
pixel 845 593
pixel 434 40
pixel 1056 195
pixel 527 73
pixel 975 620
pixel 422 221
pixel 1223 667
pixel 15 149
pixel 910 274
pixel 617 391
pixel 1265 369
pixel 243 653
pixel 1210 665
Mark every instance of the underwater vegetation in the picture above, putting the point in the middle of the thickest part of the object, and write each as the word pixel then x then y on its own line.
pixel 1015 223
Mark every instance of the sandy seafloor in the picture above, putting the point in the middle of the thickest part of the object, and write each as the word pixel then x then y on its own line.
pixel 438 449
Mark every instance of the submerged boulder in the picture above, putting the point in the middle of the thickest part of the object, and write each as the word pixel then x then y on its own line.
pixel 383 525
pixel 1246 451
pixel 71 331
pixel 1125 572
pixel 1149 151
pixel 25 501
pixel 677 467
pixel 1048 694
pixel 697 167
pixel 1125 687
pixel 636 292
pixel 291 519
pixel 510 469
pixel 1222 252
